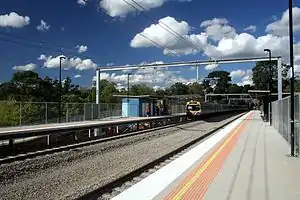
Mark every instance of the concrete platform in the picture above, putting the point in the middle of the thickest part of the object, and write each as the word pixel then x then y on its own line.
pixel 248 160
pixel 253 165
pixel 259 167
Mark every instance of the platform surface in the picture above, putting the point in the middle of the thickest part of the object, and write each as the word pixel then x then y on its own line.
pixel 247 160
pixel 258 168
pixel 254 164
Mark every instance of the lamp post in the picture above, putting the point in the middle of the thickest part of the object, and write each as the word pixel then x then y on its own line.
pixel 59 89
pixel 293 76
pixel 128 75
pixel 270 83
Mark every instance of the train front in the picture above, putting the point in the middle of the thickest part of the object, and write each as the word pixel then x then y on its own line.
pixel 193 109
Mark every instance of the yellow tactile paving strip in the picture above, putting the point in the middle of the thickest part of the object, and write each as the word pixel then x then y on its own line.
pixel 195 185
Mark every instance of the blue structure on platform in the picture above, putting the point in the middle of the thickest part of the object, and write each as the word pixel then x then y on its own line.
pixel 135 106
pixel 131 107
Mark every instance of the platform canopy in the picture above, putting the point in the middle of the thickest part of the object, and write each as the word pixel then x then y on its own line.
pixel 261 93
pixel 154 97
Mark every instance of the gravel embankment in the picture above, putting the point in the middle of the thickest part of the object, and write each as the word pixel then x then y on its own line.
pixel 67 175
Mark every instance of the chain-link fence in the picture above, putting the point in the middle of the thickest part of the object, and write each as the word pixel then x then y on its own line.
pixel 281 119
pixel 177 109
pixel 33 113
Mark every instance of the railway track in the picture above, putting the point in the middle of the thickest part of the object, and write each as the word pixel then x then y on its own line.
pixel 117 186
pixel 27 155
pixel 109 167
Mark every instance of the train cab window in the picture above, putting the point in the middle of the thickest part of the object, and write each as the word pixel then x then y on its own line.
pixel 193 107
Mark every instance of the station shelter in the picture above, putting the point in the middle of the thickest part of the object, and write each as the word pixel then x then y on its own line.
pixel 137 106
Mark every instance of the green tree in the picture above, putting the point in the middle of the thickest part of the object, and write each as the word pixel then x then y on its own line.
pixel 234 88
pixel 222 84
pixel 161 92
pixel 108 92
pixel 261 75
pixel 141 89
pixel 196 88
pixel 179 89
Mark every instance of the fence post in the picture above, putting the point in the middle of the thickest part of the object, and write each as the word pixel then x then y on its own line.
pixel 67 112
pixel 84 112
pixel 92 113
pixel 98 106
pixel 20 114
pixel 46 113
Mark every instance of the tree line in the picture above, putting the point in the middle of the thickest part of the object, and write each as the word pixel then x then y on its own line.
pixel 28 86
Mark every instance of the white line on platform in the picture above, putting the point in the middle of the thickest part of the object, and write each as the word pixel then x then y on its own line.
pixel 155 183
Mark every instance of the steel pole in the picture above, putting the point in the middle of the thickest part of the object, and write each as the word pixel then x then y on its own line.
pixel 59 93
pixel 271 86
pixel 59 90
pixel 128 94
pixel 292 78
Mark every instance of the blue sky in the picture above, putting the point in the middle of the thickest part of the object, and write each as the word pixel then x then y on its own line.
pixel 108 37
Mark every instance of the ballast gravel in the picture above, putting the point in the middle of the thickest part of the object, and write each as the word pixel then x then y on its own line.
pixel 73 173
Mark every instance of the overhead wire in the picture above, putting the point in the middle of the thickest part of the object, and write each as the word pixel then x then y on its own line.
pixel 62 49
pixel 40 45
pixel 167 27
pixel 174 33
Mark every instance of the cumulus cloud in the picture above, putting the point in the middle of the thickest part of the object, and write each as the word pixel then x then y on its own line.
pixel 74 62
pixel 218 28
pixel 250 28
pixel 110 64
pixel 211 67
pixel 43 26
pixel 237 74
pixel 156 33
pixel 245 77
pixel 151 77
pixel 81 48
pixel 14 20
pixel 246 80
pixel 82 2
pixel 28 67
pixel 77 76
pixel 246 45
pixel 119 8
pixel 228 43
pixel 281 27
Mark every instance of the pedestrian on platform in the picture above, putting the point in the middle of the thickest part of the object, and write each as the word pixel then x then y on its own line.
pixel 148 111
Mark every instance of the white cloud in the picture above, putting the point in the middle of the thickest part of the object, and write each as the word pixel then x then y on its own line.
pixel 237 74
pixel 75 62
pixel 230 45
pixel 157 87
pixel 28 67
pixel 211 67
pixel 43 26
pixel 250 28
pixel 247 80
pixel 218 28
pixel 110 64
pixel 82 2
pixel 151 77
pixel 77 76
pixel 281 27
pixel 245 77
pixel 14 20
pixel 156 33
pixel 246 45
pixel 119 8
pixel 81 48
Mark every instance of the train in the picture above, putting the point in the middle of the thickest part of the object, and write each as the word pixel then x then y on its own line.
pixel 196 109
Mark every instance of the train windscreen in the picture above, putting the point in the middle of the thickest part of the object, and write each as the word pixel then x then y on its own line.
pixel 193 107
